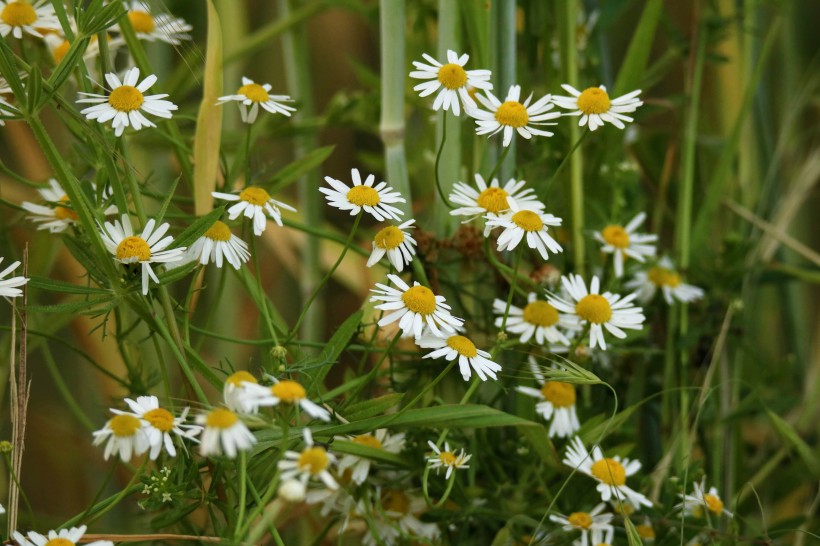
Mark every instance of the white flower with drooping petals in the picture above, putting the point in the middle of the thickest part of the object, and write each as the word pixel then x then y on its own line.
pixel 60 215
pixel 595 107
pixel 513 116
pixel 460 347
pixel 414 307
pixel 218 245
pixel 224 433
pixel 452 79
pixel 159 423
pixel 623 242
pixel 254 202
pixel 586 523
pixel 557 403
pixel 253 95
pixel 63 537
pixel 236 394
pixel 152 27
pixel 124 435
pixel 9 288
pixel 284 391
pixel 451 460
pixel 397 244
pixel 20 16
pixel 538 319
pixel 493 200
pixel 311 463
pixel 375 200
pixel 664 276
pixel 360 466
pixel 700 499
pixel 520 223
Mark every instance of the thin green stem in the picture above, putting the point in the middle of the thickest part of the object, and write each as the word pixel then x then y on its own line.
pixel 564 162
pixel 246 157
pixel 499 163
pixel 243 488
pixel 438 160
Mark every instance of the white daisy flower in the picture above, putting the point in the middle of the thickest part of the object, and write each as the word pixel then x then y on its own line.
pixel 694 504
pixel 451 460
pixel 145 249
pixel 60 215
pixel 312 462
pixel 398 244
pixel 414 307
pixel 598 537
pixel 124 435
pixel 460 347
pixel 663 275
pixel 606 310
pixel 537 319
pixel 595 107
pixel 338 501
pixel 19 16
pixel 452 79
pixel 557 403
pixel 254 95
pixel 127 102
pixel 519 223
pixel 623 241
pixel 586 522
pixel 645 530
pixel 224 433
pixel 360 466
pixel 59 46
pixel 493 200
pixel 375 200
pixel 611 473
pixel 9 287
pixel 236 395
pixel 152 27
pixel 511 115
pixel 285 391
pixel 217 245
pixel 63 537
pixel 253 202
pixel 397 514
pixel 159 423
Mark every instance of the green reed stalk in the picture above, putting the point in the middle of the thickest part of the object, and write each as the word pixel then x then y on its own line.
pixel 393 72
pixel 504 16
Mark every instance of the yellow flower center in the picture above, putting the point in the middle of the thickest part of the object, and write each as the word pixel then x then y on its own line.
pixel 447 458
pixel 396 500
pixel 594 308
pixel 254 196
pixel 237 378
pixel 593 100
pixel 713 503
pixel 367 440
pixel 221 418
pixel 219 232
pixel 142 22
pixel 541 313
pixel 493 200
pixel 160 419
pixel 126 98
pixel 527 220
pixel 616 236
pixel 124 426
pixel 65 213
pixel 452 76
pixel 288 391
pixel 314 460
pixel 389 238
pixel 133 247
pixel 419 299
pixel 660 276
pixel 580 520
pixel 59 52
pixel 363 196
pixel 254 92
pixel 18 14
pixel 59 542
pixel 561 395
pixel 609 471
pixel 645 531
pixel 512 113
pixel 462 346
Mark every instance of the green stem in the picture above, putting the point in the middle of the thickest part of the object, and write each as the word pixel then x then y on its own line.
pixel 243 488
pixel 499 163
pixel 246 155
pixel 438 160
pixel 22 493
pixel 564 162
pixel 512 290
pixel 261 299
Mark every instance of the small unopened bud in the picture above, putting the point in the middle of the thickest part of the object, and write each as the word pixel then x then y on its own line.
pixel 291 491
pixel 6 447
pixel 279 353
pixel 502 337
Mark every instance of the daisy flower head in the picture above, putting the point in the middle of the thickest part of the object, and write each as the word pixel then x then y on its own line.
pixel 254 202
pixel 9 288
pixel 512 115
pixel 224 433
pixel 124 436
pixel 493 200
pixel 611 473
pixel 19 16
pixel 360 466
pixel 218 245
pixel 457 346
pixel 63 537
pixel 597 537
pixel 645 530
pixel 126 102
pixel 595 107
pixel 623 242
pixel 251 96
pixel 700 499
pixel 600 311
pixel 284 391
pixel 397 514
pixel 538 319
pixel 397 243
pixel 451 460
pixel 144 249
pixel 153 27
pixel 520 223
pixel 236 394
pixel 375 200
pixel 452 79
pixel 159 423
pixel 557 403
pixel 311 463
pixel 586 523
pixel 56 218
pixel 663 276
pixel 414 307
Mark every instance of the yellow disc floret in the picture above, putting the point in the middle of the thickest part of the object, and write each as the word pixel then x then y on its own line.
pixel 142 22
pixel 254 92
pixel 124 426
pixel 133 249
pixel 221 418
pixel 126 98
pixel 314 460
pixel 65 213
pixel 367 440
pixel 660 276
pixel 493 200
pixel 218 232
pixel 419 299
pixel 396 500
pixel 580 520
pixel 594 308
pixel 288 391
pixel 59 542
pixel 447 458
pixel 389 238
pixel 713 503
pixel 59 52
pixel 541 313
pixel 254 196
pixel 593 100
pixel 645 531
pixel 561 395
pixel 237 378
pixel 462 346
pixel 160 419
pixel 513 114
pixel 615 236
pixel 528 220
pixel 452 76
pixel 609 471
pixel 363 196
pixel 18 14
